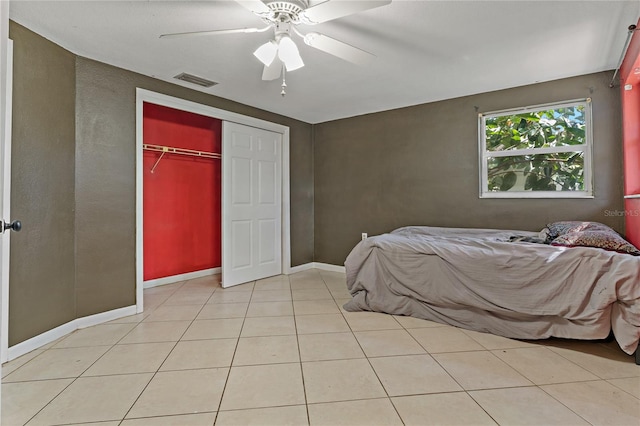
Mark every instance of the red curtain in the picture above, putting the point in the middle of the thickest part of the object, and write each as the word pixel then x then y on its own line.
pixel 630 87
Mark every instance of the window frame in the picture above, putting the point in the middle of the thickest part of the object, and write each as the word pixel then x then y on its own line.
pixel 586 148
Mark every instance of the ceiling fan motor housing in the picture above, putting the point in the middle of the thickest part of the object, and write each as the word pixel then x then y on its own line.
pixel 286 11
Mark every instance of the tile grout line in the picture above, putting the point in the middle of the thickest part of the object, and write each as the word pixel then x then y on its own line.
pixel 435 360
pixel 233 356
pixel 371 365
pixel 597 378
pixel 562 403
pixel 168 354
pixel 80 375
pixel 576 364
pixel 304 388
pixel 624 390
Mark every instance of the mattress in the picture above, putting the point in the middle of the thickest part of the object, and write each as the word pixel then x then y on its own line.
pixel 479 279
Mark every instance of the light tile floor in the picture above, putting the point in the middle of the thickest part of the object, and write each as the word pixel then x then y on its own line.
pixel 282 351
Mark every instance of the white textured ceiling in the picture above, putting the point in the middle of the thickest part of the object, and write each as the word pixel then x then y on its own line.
pixel 426 50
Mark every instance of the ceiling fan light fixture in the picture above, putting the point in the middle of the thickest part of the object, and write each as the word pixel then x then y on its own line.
pixel 310 38
pixel 281 54
pixel 267 52
pixel 289 54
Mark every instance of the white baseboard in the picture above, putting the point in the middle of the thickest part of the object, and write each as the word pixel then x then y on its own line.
pixel 103 317
pixel 329 267
pixel 299 268
pixel 316 265
pixel 64 329
pixel 52 335
pixel 181 277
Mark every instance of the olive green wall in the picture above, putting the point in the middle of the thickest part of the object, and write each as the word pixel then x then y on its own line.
pixel 41 290
pixel 419 166
pixel 74 184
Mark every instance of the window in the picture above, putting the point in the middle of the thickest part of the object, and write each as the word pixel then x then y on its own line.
pixel 537 152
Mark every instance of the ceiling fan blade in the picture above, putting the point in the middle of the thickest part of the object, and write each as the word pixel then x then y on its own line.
pixel 214 32
pixel 273 71
pixel 256 6
pixel 338 8
pixel 338 48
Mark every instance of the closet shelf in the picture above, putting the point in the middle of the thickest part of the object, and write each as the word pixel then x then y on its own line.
pixel 182 151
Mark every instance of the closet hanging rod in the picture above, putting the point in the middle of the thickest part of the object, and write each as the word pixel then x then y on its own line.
pixel 181 151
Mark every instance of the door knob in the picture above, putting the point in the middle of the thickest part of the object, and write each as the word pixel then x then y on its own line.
pixel 15 226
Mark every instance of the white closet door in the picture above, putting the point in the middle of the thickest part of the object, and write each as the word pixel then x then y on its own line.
pixel 251 204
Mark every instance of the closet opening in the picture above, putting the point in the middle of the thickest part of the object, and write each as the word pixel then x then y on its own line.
pixel 182 224
pixel 181 195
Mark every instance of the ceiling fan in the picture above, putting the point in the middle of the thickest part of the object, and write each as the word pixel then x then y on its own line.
pixel 283 16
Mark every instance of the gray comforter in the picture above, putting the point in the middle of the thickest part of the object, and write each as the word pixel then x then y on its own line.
pixel 478 280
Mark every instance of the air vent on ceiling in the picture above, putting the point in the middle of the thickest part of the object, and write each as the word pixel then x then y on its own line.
pixel 194 79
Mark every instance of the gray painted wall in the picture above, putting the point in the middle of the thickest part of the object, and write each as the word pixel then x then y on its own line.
pixel 419 166
pixel 74 183
pixel 41 291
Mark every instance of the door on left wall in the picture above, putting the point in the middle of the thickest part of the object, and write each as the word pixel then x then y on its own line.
pixel 181 194
pixel 6 224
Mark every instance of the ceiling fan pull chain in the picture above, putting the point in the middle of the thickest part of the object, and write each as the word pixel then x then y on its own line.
pixel 284 83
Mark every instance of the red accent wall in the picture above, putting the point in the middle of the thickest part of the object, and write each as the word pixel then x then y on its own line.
pixel 182 197
pixel 631 136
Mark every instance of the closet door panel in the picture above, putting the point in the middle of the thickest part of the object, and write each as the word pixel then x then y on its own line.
pixel 251 205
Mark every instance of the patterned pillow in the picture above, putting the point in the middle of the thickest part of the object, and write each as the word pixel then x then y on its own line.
pixel 555 229
pixel 608 240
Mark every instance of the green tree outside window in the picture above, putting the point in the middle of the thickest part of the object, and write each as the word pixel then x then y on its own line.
pixel 537 150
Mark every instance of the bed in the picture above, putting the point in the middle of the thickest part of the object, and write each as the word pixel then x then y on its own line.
pixel 510 283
